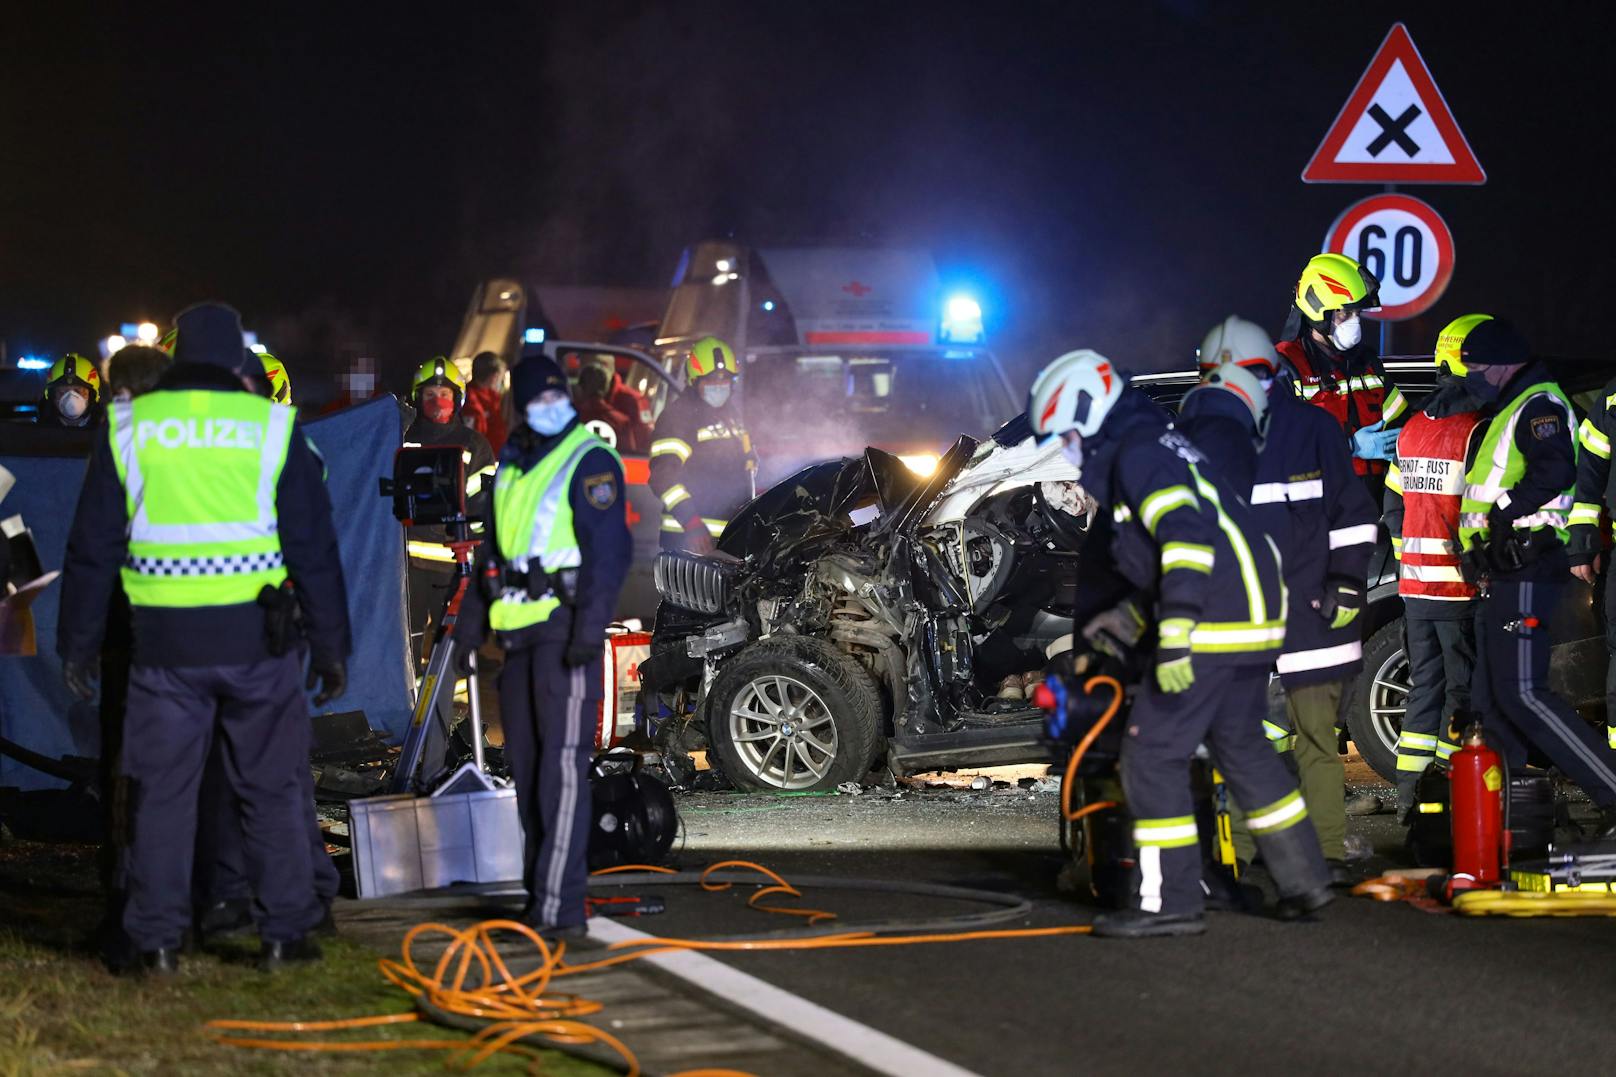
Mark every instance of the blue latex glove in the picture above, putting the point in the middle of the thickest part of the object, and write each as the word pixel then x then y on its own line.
pixel 1375 442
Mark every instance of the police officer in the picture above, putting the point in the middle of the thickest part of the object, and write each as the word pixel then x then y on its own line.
pixel 1596 496
pixel 702 461
pixel 561 553
pixel 1336 367
pixel 1424 487
pixel 72 394
pixel 1306 496
pixel 1211 584
pixel 1512 526
pixel 205 496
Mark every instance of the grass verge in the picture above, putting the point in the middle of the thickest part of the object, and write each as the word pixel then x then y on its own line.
pixel 62 1012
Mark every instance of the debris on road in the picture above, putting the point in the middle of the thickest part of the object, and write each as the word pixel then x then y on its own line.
pixel 981 781
pixel 852 789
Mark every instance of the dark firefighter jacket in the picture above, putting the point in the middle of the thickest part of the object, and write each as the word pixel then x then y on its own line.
pixel 1182 537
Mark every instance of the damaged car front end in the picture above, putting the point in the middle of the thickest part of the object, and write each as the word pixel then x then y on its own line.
pixel 857 614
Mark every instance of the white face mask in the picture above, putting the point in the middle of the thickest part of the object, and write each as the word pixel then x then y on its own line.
pixel 1346 336
pixel 72 405
pixel 549 419
pixel 1073 451
pixel 716 396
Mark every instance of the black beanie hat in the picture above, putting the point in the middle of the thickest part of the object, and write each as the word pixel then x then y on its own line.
pixel 1494 342
pixel 209 333
pixel 532 376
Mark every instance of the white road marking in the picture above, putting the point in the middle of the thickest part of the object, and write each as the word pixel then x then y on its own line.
pixel 874 1050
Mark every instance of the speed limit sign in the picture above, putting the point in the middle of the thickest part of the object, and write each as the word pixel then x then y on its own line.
pixel 1404 243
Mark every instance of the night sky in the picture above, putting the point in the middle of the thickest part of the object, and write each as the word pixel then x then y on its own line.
pixel 1113 176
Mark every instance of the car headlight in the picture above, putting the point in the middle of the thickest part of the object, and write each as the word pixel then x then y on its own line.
pixel 921 463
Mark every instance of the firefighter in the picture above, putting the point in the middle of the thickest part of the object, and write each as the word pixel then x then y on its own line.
pixel 1209 581
pixel 1595 498
pixel 438 391
pixel 702 464
pixel 1305 495
pixel 1424 487
pixel 561 553
pixel 1335 366
pixel 484 409
pixel 205 498
pixel 1512 527
pixel 72 394
pixel 276 382
pixel 604 396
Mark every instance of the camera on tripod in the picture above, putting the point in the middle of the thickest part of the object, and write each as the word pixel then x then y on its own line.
pixel 428 485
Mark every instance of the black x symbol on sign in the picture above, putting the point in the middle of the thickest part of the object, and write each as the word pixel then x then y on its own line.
pixel 1394 130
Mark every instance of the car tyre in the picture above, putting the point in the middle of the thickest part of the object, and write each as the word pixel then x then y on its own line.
pixel 1378 698
pixel 825 702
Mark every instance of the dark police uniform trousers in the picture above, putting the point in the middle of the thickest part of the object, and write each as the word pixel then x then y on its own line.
pixel 548 711
pixel 1223 709
pixel 258 712
pixel 1511 683
pixel 221 855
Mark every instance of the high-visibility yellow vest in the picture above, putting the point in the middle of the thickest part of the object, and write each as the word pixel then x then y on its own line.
pixel 533 521
pixel 200 470
pixel 1499 466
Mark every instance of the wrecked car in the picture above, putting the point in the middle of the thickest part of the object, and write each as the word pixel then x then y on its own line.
pixel 859 615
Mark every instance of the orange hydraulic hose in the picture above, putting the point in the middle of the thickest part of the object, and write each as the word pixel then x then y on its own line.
pixel 1072 764
pixel 472 978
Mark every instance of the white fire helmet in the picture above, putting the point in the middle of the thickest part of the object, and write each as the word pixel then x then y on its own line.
pixel 1245 344
pixel 1244 384
pixel 1075 392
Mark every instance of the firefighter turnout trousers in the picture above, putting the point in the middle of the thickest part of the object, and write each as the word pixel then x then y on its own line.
pixel 1224 710
pixel 259 712
pixel 1441 665
pixel 1511 689
pixel 548 710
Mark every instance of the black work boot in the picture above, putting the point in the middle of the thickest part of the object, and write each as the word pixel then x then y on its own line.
pixel 563 933
pixel 222 919
pixel 1340 874
pixel 1299 906
pixel 1138 924
pixel 274 956
pixel 162 962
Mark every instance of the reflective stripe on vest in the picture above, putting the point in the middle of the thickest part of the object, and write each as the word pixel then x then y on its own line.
pixel 533 521
pixel 200 470
pixel 1431 468
pixel 1499 466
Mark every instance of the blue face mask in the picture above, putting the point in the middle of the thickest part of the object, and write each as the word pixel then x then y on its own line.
pixel 550 419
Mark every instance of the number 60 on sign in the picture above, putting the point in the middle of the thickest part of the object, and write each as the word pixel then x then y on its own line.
pixel 1404 243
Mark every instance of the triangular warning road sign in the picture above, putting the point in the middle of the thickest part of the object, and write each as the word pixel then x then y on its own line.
pixel 1395 128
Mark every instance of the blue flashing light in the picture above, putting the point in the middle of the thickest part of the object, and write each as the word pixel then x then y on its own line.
pixel 962 321
pixel 533 336
pixel 768 304
pixel 129 330
pixel 28 362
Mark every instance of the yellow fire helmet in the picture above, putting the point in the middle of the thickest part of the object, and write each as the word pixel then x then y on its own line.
pixel 707 355
pixel 1450 343
pixel 74 369
pixel 438 371
pixel 280 382
pixel 1332 282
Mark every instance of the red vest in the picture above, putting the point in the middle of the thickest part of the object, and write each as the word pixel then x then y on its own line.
pixel 1431 464
pixel 1355 402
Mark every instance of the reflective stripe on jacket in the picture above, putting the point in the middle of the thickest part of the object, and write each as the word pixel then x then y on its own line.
pixel 1359 396
pixel 1499 466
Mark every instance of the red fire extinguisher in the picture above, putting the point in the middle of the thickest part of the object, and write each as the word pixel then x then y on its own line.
pixel 1476 807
